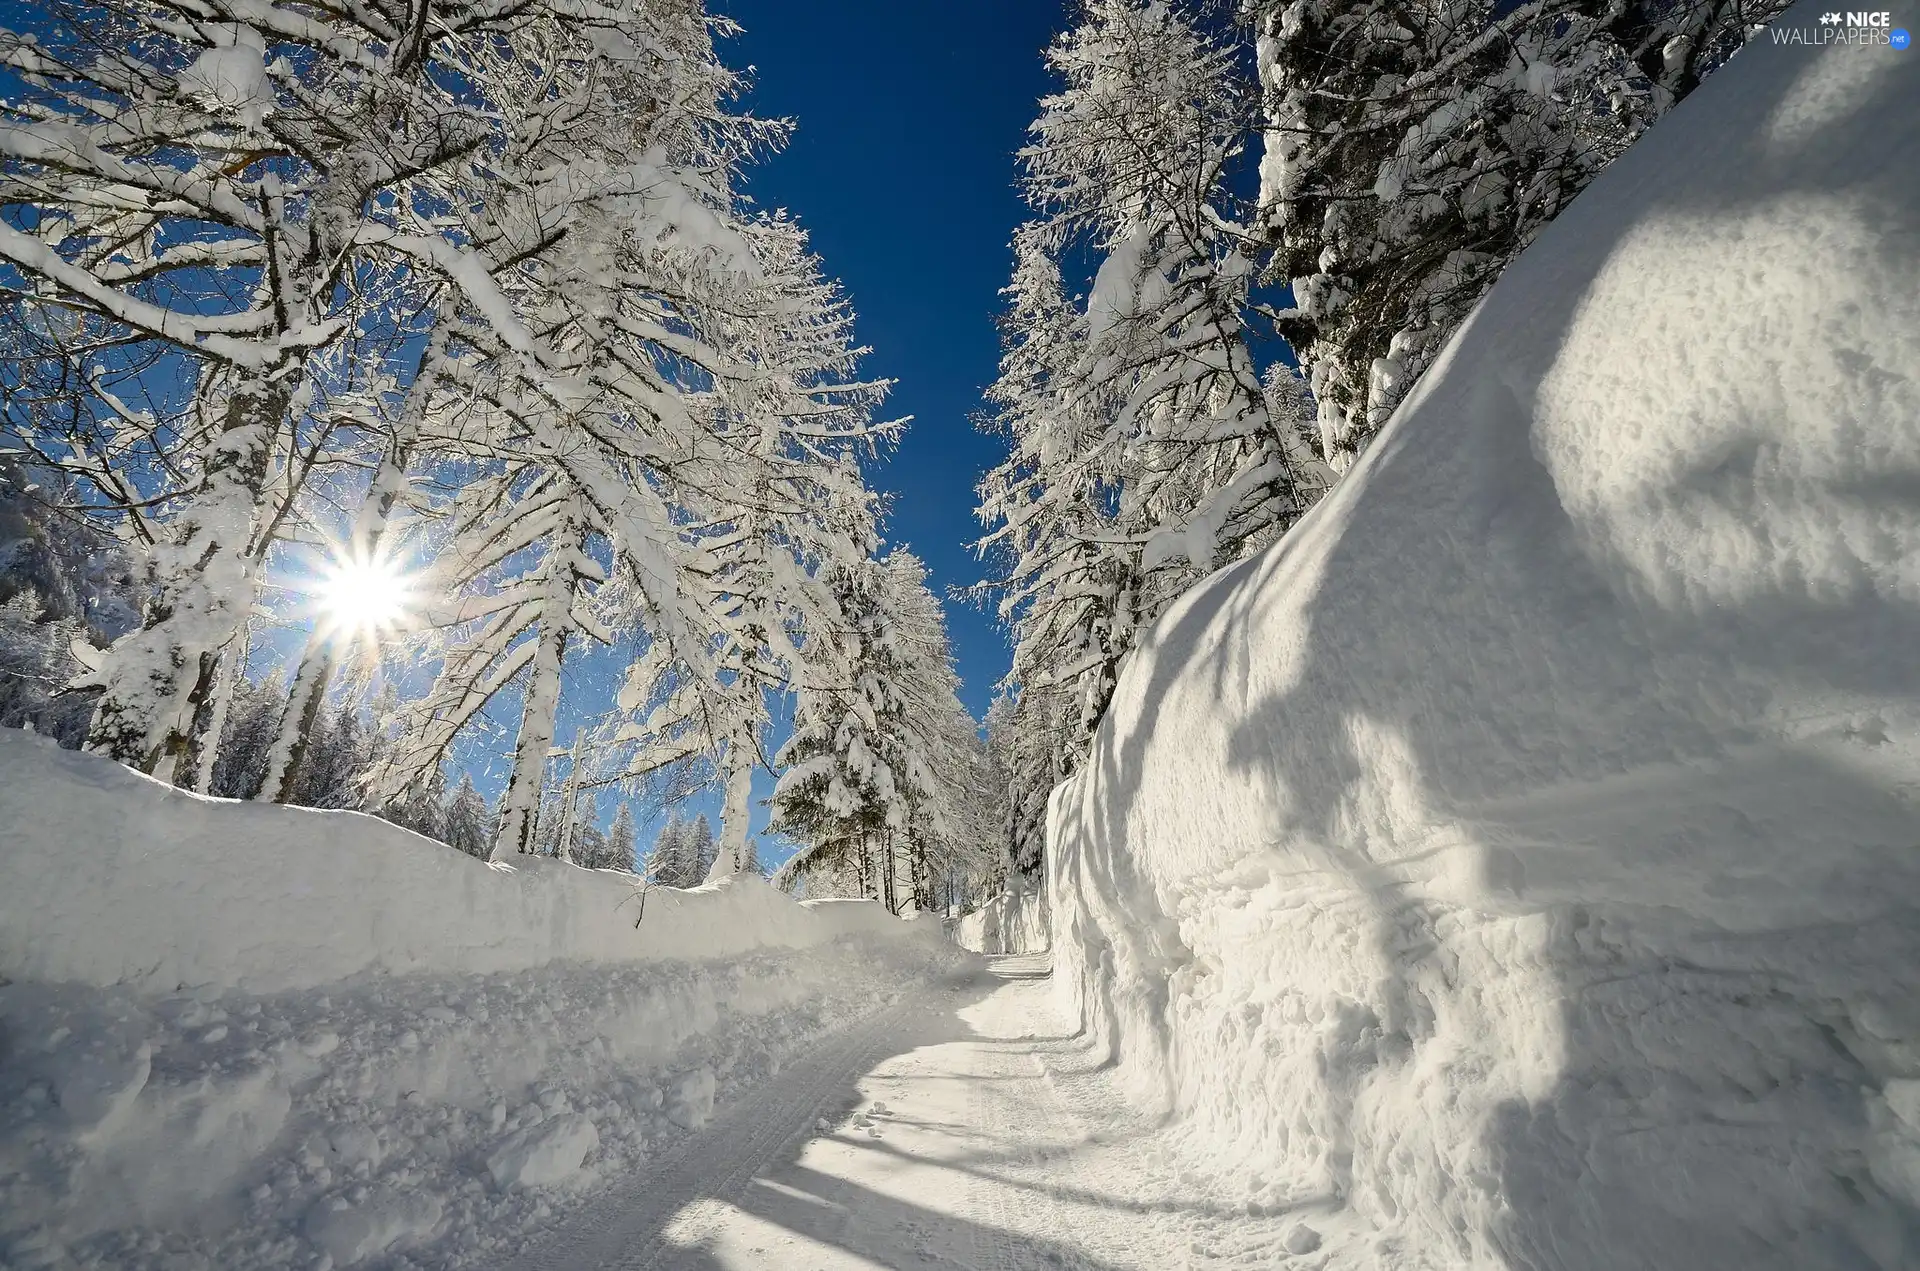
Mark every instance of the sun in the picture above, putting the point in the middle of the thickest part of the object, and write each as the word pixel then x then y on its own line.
pixel 363 596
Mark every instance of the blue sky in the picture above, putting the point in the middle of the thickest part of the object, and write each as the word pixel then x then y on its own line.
pixel 903 171
pixel 909 114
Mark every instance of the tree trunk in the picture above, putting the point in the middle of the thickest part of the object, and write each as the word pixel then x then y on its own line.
pixel 890 875
pixel 156 678
pixel 302 711
pixel 519 810
pixel 216 715
pixel 735 810
pixel 569 812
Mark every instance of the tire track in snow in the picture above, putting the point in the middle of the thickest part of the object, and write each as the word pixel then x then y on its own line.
pixel 1011 1102
pixel 624 1230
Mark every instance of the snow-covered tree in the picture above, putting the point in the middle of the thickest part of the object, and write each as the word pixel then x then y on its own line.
pixel 881 781
pixel 423 808
pixel 620 839
pixel 846 767
pixel 785 502
pixel 671 415
pixel 64 586
pixel 702 847
pixel 285 178
pixel 1412 151
pixel 682 852
pixel 586 843
pixel 469 822
pixel 36 662
pixel 1142 448
pixel 1033 734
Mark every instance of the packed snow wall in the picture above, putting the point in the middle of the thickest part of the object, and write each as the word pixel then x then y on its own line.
pixel 1519 865
pixel 1012 922
pixel 148 892
pixel 246 1036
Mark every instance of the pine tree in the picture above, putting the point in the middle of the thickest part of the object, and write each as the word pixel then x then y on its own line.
pixel 1411 152
pixel 620 841
pixel 248 734
pixel 702 849
pixel 1143 452
pixel 423 808
pixel 469 822
pixel 339 758
pixel 882 780
pixel 590 848
pixel 842 789
pixel 676 858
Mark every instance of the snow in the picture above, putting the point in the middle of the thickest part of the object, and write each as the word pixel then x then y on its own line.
pixel 963 1128
pixel 147 895
pixel 1515 866
pixel 551 1151
pixel 232 78
pixel 254 1037
pixel 1013 922
pixel 349 1233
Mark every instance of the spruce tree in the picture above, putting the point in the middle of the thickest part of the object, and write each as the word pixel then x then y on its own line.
pixel 469 821
pixel 620 840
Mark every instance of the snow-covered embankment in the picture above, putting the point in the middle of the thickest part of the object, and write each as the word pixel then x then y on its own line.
pixel 1015 921
pixel 1520 864
pixel 248 1036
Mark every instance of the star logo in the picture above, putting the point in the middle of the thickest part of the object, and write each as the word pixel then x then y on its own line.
pixel 1829 19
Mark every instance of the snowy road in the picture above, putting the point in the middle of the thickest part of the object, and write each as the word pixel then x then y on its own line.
pixel 965 1130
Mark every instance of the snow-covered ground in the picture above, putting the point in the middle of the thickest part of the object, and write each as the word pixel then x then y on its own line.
pixel 217 1050
pixel 965 1129
pixel 1520 865
pixel 240 1036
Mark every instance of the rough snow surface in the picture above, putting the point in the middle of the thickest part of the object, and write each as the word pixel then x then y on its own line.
pixel 549 1152
pixel 193 1074
pixel 962 1129
pixel 1520 864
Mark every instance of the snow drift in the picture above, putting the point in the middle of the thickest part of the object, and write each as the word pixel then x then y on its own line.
pixel 148 893
pixel 1520 864
pixel 1013 922
pixel 244 1036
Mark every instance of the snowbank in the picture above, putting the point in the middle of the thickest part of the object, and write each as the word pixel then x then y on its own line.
pixel 1012 922
pixel 243 1036
pixel 148 893
pixel 1520 864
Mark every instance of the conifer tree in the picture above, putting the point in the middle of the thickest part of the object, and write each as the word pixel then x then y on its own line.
pixel 1142 450
pixel 469 821
pixel 620 840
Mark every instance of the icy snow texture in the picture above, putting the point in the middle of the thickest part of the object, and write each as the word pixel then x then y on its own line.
pixel 240 1036
pixel 1520 864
